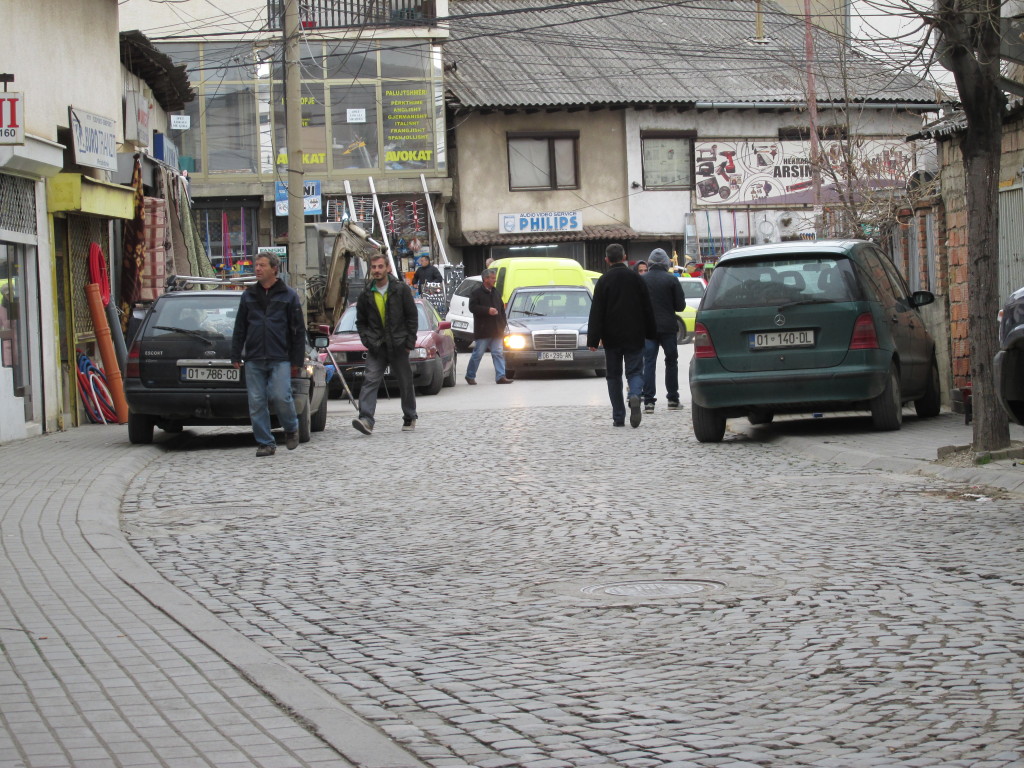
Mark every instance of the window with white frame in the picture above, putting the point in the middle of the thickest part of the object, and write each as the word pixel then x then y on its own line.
pixel 543 161
pixel 667 160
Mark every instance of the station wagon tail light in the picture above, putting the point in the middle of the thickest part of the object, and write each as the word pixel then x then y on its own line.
pixel 864 335
pixel 131 368
pixel 702 344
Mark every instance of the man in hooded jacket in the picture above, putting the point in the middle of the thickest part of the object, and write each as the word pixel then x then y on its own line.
pixel 666 299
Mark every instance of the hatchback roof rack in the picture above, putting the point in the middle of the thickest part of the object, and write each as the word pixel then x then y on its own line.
pixel 185 282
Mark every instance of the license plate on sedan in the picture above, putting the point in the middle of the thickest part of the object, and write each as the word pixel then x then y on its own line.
pixel 209 374
pixel 554 356
pixel 782 339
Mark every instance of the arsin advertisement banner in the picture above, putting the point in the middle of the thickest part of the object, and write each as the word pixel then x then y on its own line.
pixel 773 173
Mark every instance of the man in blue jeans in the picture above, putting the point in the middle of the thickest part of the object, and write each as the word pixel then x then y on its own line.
pixel 621 320
pixel 270 334
pixel 666 299
pixel 489 324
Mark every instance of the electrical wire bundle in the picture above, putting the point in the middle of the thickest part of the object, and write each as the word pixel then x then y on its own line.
pixel 94 392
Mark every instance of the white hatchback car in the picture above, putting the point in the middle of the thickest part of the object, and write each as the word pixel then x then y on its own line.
pixel 459 315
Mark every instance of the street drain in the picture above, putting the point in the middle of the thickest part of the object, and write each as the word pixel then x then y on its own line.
pixel 694 587
pixel 653 589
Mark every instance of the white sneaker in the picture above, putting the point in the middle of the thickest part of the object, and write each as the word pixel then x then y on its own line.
pixel 363 426
pixel 674 406
pixel 648 407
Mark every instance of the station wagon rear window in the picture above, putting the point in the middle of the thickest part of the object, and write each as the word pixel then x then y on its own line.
pixel 772 281
pixel 212 316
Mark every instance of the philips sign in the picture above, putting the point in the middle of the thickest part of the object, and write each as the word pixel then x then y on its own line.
pixel 556 221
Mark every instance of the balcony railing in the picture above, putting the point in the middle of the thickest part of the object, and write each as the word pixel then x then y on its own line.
pixel 340 14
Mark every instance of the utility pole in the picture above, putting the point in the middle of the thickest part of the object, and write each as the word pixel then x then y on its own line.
pixel 293 123
pixel 812 103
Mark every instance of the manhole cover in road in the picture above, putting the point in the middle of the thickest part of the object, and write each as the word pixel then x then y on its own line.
pixel 652 589
pixel 687 588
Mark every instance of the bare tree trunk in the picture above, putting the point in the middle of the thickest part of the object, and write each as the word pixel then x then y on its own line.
pixel 981 170
pixel 972 54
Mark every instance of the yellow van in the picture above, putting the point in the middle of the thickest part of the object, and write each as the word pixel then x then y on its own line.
pixel 517 272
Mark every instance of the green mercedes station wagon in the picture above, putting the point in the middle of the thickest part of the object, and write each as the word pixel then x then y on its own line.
pixel 801 327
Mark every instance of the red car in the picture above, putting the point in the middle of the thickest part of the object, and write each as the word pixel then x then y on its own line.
pixel 433 360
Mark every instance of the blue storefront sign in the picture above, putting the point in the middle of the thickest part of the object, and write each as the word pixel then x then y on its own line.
pixel 312 200
pixel 552 221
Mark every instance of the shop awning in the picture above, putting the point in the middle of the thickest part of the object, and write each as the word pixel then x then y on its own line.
pixel 77 193
pixel 599 232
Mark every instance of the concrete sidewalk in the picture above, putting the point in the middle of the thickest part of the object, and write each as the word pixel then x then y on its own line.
pixel 106 664
pixel 915 449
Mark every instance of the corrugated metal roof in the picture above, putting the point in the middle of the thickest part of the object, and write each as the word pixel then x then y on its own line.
pixel 596 232
pixel 509 53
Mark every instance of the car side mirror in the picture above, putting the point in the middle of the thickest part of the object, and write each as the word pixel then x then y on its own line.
pixel 444 325
pixel 321 342
pixel 920 298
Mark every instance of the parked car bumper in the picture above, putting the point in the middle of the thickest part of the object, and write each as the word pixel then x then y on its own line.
pixel 582 360
pixel 422 373
pixel 799 390
pixel 1008 368
pixel 216 407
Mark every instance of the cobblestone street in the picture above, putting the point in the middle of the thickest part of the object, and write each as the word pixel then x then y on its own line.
pixel 530 587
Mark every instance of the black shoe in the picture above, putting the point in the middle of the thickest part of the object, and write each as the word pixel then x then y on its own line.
pixel 634 412
pixel 266 450
pixel 618 423
pixel 291 440
pixel 674 405
pixel 471 382
pixel 648 407
pixel 408 425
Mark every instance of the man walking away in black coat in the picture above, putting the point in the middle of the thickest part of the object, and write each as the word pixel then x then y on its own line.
pixel 666 299
pixel 270 335
pixel 386 320
pixel 621 320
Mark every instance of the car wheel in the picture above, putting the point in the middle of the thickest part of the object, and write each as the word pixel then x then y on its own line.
pixel 931 401
pixel 304 423
pixel 335 391
pixel 462 345
pixel 887 408
pixel 436 380
pixel 140 429
pixel 708 424
pixel 449 380
pixel 760 417
pixel 681 333
pixel 318 423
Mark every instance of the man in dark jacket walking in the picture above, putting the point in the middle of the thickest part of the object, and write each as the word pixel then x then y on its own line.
pixel 426 273
pixel 621 320
pixel 386 320
pixel 666 299
pixel 270 335
pixel 489 323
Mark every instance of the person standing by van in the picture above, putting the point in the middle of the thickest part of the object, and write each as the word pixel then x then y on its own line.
pixel 489 324
pixel 621 320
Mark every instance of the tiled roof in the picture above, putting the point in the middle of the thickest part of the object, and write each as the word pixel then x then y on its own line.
pixel 513 54
pixel 599 232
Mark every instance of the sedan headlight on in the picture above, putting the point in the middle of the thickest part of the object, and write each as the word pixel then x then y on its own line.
pixel 516 341
pixel 419 353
